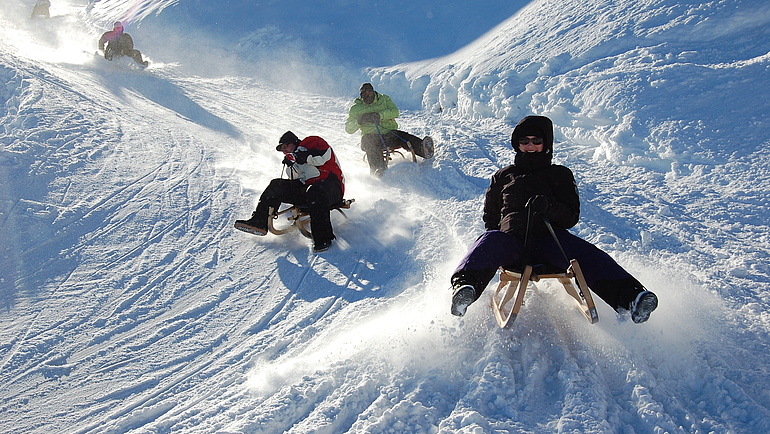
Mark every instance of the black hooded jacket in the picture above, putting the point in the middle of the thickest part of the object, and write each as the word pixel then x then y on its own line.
pixel 531 174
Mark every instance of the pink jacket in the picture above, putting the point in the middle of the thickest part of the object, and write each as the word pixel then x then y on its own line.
pixel 111 35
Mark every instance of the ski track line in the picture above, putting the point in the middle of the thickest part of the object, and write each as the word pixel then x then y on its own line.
pixel 14 350
pixel 266 319
pixel 122 305
pixel 180 365
pixel 111 228
pixel 148 401
pixel 295 325
pixel 292 295
pixel 101 205
pixel 56 82
pixel 223 356
pixel 156 238
pixel 152 238
pixel 349 278
pixel 163 325
pixel 116 331
pixel 32 98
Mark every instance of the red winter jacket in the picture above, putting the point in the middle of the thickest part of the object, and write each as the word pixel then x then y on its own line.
pixel 315 161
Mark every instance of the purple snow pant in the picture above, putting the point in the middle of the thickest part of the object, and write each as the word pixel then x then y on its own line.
pixel 495 249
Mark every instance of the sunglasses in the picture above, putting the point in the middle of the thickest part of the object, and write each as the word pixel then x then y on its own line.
pixel 534 141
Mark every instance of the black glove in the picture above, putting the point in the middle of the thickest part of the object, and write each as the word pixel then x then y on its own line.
pixel 369 118
pixel 538 204
pixel 289 159
pixel 301 156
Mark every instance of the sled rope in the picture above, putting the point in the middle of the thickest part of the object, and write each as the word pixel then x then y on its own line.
pixel 382 140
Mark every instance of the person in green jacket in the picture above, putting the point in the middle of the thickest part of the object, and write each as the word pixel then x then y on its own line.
pixel 375 115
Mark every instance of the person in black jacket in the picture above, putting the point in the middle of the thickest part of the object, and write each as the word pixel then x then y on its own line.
pixel 516 201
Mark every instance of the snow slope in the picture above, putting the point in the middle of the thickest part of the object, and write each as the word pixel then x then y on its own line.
pixel 129 304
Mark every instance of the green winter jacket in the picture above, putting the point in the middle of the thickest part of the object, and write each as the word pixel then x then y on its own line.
pixel 383 105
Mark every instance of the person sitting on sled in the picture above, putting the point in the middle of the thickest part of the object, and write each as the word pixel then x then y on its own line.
pixel 375 115
pixel 533 186
pixel 314 181
pixel 42 8
pixel 119 44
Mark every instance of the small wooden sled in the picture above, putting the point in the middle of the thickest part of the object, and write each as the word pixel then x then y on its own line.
pixel 298 218
pixel 388 155
pixel 509 295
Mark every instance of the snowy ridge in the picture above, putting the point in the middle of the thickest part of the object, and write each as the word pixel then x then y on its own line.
pixel 129 303
pixel 628 79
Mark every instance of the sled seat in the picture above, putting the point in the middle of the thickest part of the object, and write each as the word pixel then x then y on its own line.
pixel 509 295
pixel 387 154
pixel 299 218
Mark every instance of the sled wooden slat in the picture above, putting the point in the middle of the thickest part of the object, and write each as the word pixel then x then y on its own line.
pixel 509 295
pixel 514 286
pixel 298 218
pixel 388 155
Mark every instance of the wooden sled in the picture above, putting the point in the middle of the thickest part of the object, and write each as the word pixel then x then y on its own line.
pixel 298 218
pixel 509 295
pixel 388 155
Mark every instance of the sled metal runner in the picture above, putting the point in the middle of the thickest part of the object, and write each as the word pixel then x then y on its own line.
pixel 298 218
pixel 509 295
pixel 387 155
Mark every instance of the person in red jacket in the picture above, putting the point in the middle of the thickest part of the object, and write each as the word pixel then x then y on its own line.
pixel 314 181
pixel 119 44
pixel 520 199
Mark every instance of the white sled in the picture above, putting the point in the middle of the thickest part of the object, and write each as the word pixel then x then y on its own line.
pixel 509 295
pixel 298 218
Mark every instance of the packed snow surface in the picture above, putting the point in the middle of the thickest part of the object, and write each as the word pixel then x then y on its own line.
pixel 130 304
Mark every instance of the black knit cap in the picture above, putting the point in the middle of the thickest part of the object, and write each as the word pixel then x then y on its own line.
pixel 286 138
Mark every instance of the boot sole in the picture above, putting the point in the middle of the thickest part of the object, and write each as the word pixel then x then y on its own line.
pixel 251 229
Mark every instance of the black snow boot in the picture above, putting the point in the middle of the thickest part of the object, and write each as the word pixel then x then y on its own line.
pixel 251 225
pixel 462 298
pixel 642 306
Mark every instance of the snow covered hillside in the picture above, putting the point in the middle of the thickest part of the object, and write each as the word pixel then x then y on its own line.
pixel 130 304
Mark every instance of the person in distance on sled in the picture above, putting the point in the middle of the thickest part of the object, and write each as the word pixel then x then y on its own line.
pixel 119 44
pixel 314 181
pixel 42 9
pixel 375 115
pixel 533 185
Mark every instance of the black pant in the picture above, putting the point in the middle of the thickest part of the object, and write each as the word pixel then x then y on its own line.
pixel 318 198
pixel 372 144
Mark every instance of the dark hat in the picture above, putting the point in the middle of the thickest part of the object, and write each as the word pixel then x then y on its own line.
pixel 538 126
pixel 366 86
pixel 286 138
pixel 530 129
